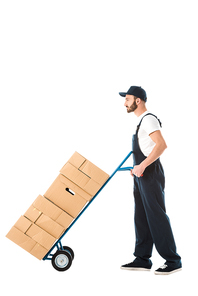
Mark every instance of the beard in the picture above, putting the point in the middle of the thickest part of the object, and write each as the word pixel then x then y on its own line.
pixel 132 108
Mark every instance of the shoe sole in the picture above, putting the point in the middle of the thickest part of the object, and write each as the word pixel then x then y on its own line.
pixel 135 268
pixel 167 273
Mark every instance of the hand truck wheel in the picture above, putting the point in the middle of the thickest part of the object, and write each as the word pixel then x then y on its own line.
pixel 70 251
pixel 61 260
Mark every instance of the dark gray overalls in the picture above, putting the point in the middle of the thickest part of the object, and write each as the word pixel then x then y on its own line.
pixel 152 225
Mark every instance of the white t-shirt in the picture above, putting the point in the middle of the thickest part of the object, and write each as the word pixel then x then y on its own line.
pixel 149 125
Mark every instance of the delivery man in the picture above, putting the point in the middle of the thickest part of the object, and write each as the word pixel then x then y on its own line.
pixel 152 225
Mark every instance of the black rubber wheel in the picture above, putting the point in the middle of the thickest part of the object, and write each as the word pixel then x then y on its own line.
pixel 70 251
pixel 62 260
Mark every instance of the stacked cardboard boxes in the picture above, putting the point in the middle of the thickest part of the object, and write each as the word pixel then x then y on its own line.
pixel 50 215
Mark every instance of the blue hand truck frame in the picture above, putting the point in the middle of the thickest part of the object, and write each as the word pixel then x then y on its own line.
pixel 62 259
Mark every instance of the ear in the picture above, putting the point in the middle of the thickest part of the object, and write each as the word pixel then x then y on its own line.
pixel 138 100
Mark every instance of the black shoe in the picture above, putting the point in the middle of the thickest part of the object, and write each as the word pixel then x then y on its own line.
pixel 165 270
pixel 137 265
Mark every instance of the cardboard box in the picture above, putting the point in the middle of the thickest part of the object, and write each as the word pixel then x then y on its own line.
pixel 50 215
pixel 31 237
pixel 38 251
pixel 73 189
pixel 35 232
pixel 94 172
pixel 61 194
pixel 21 239
pixel 32 213
pixel 41 236
pixel 80 179
pixel 46 207
pixel 77 160
pixel 23 224
pixel 50 226
pixel 43 221
pixel 17 235
pixel 84 174
pixel 88 168
pixel 25 242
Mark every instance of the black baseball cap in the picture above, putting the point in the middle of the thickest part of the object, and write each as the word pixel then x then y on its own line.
pixel 135 91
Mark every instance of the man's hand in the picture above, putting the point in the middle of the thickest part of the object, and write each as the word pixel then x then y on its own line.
pixel 138 170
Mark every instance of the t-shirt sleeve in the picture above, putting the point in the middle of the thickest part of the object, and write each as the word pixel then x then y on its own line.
pixel 150 124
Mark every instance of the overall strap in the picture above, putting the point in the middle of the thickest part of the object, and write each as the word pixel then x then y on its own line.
pixel 138 127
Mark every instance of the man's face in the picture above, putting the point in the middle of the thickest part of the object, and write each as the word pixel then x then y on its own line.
pixel 130 103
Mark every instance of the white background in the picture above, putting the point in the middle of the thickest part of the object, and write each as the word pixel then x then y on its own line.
pixel 62 66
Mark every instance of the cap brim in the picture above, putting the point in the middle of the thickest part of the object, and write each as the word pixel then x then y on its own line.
pixel 122 94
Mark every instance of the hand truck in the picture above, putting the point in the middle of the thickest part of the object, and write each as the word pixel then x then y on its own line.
pixel 62 259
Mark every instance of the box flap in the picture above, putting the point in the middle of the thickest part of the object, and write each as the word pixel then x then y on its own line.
pixel 26 243
pixel 47 207
pixel 64 220
pixel 21 239
pixel 32 213
pixel 49 225
pixel 94 172
pixel 41 236
pixel 76 160
pixel 73 174
pixel 39 251
pixel 92 187
pixel 23 224
pixel 80 179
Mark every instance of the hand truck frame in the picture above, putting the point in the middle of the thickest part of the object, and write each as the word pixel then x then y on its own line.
pixel 62 259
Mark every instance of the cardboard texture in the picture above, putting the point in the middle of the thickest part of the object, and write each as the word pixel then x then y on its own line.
pixel 21 239
pixel 35 232
pixel 80 179
pixel 25 242
pixel 51 210
pixel 32 213
pixel 84 174
pixel 44 217
pixel 31 237
pixel 23 224
pixel 50 226
pixel 50 215
pixel 88 168
pixel 40 236
pixel 77 160
pixel 60 194
pixel 94 172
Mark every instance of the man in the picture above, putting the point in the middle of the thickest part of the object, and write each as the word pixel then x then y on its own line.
pixel 152 225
